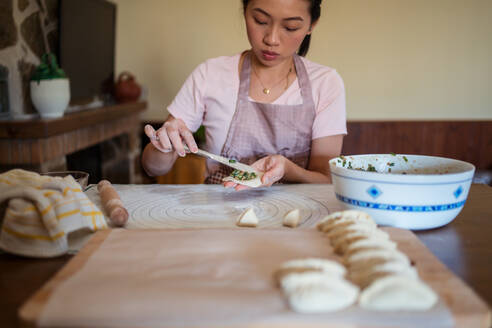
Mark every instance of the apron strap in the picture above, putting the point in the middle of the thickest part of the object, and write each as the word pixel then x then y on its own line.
pixel 304 83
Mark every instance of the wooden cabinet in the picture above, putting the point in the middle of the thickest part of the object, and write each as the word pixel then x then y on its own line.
pixel 186 170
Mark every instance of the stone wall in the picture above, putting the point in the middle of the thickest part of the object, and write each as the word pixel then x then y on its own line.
pixel 29 29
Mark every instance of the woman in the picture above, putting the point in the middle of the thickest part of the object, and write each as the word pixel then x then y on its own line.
pixel 268 106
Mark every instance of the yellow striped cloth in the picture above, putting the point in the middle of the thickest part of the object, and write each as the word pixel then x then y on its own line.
pixel 41 211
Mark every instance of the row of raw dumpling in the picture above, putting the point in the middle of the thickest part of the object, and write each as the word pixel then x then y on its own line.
pixel 315 285
pixel 385 275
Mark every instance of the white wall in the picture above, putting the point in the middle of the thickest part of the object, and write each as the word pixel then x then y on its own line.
pixel 400 59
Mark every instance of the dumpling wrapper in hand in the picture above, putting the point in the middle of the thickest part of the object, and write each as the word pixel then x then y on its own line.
pixel 253 183
pixel 248 219
pixel 397 293
pixel 292 218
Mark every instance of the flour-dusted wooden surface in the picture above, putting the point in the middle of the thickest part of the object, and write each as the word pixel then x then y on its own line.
pixel 30 312
pixel 467 309
pixel 213 206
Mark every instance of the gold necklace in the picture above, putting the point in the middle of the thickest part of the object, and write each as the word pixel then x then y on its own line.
pixel 267 90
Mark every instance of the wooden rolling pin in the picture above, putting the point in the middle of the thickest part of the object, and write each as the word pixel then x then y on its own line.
pixel 113 206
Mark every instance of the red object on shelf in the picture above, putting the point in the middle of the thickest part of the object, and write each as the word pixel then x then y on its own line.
pixel 126 88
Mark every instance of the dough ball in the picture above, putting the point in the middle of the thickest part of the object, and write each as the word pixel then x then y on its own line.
pixel 248 219
pixel 292 218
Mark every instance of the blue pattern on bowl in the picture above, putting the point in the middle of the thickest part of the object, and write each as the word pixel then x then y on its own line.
pixel 374 192
pixel 400 208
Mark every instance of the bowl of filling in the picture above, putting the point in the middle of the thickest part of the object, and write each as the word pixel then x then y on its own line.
pixel 406 191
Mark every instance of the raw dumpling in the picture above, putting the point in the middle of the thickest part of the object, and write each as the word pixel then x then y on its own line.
pixel 329 218
pixel 341 243
pixel 370 257
pixel 369 243
pixel 292 218
pixel 397 293
pixel 248 218
pixel 324 265
pixel 309 265
pixel 346 214
pixel 344 229
pixel 365 277
pixel 314 292
pixel 341 217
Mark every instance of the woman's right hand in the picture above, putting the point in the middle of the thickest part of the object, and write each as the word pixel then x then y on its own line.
pixel 172 135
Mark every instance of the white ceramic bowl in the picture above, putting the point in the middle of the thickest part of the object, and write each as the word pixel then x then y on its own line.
pixel 406 191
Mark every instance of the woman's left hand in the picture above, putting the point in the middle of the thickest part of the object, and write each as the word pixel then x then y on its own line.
pixel 273 166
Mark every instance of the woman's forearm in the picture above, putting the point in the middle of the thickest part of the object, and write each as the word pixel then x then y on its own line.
pixel 322 150
pixel 156 162
pixel 295 173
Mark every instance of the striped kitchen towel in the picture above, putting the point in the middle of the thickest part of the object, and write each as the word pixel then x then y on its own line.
pixel 41 211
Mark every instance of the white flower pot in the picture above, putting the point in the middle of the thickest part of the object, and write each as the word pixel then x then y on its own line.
pixel 50 97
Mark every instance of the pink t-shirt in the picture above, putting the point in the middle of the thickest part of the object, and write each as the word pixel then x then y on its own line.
pixel 209 95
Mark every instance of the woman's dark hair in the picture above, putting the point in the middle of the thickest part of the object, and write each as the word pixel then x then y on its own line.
pixel 314 11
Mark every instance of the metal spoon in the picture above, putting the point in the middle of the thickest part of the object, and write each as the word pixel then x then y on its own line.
pixel 226 161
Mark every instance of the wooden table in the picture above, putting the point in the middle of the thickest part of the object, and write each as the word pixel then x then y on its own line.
pixel 465 246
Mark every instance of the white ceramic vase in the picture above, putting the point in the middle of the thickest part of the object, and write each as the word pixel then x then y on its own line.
pixel 51 97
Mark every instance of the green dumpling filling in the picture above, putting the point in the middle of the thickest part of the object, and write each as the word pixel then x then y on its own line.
pixel 243 175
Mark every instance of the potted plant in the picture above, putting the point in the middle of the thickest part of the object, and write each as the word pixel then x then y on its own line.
pixel 50 88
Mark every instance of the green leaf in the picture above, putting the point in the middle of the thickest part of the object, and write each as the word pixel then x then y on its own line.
pixel 48 69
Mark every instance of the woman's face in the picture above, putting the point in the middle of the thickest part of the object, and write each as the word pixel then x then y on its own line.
pixel 276 28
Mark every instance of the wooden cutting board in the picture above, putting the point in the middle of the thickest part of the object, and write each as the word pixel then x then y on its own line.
pixel 467 309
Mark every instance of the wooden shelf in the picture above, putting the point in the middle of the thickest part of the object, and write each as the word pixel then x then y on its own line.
pixel 42 145
pixel 43 128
